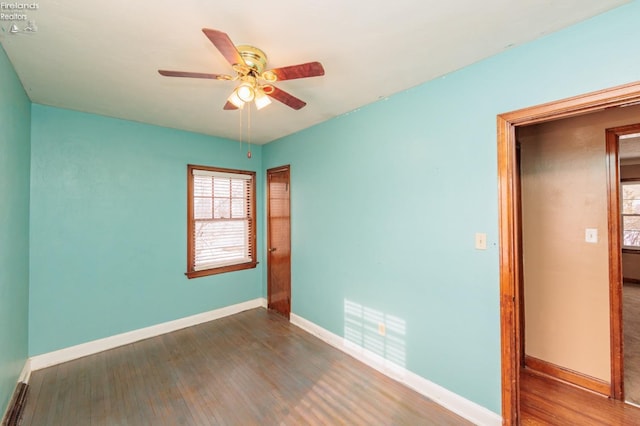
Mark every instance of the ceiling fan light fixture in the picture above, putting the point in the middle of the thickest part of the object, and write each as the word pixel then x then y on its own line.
pixel 245 92
pixel 235 100
pixel 261 100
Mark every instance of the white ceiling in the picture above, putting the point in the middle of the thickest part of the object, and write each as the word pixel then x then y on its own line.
pixel 102 56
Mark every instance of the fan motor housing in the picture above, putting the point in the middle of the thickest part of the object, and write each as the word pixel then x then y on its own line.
pixel 255 58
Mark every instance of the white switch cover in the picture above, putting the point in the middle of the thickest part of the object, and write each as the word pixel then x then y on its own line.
pixel 481 241
pixel 591 235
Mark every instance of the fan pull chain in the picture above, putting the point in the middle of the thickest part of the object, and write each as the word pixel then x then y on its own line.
pixel 249 132
pixel 240 130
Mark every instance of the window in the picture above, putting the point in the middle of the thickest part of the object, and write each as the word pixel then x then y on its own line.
pixel 631 215
pixel 221 220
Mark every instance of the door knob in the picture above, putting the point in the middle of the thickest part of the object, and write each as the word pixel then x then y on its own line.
pixel 271 250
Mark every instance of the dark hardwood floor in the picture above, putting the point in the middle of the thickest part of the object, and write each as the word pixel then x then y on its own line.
pixel 249 368
pixel 631 329
pixel 544 401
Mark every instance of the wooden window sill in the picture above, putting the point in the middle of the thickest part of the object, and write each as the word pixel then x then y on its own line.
pixel 221 270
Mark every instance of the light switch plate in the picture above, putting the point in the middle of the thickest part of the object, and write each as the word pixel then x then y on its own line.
pixel 481 241
pixel 591 235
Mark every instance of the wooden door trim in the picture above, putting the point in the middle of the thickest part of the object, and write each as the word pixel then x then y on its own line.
pixel 283 168
pixel 566 375
pixel 286 167
pixel 615 256
pixel 509 252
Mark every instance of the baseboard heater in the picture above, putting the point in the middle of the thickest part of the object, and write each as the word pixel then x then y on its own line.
pixel 14 413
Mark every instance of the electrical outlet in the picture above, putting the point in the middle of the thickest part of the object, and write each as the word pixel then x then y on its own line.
pixel 382 330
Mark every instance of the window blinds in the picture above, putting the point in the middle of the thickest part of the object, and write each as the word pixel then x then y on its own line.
pixel 222 219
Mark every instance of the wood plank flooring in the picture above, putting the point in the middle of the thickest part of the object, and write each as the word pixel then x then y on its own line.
pixel 544 401
pixel 631 329
pixel 249 368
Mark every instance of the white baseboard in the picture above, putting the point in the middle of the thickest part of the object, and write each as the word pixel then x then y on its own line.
pixel 74 352
pixel 631 403
pixel 25 375
pixel 265 304
pixel 471 411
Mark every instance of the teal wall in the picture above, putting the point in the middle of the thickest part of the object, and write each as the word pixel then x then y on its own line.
pixel 108 227
pixel 386 201
pixel 14 227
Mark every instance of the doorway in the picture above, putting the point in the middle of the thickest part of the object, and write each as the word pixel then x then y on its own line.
pixel 571 279
pixel 279 241
pixel 623 143
pixel 510 231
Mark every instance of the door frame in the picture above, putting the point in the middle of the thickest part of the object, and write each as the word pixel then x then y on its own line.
pixel 615 254
pixel 286 167
pixel 510 237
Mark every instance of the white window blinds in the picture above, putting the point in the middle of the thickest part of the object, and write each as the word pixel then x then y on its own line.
pixel 631 214
pixel 222 219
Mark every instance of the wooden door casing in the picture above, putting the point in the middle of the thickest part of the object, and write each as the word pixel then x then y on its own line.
pixel 510 312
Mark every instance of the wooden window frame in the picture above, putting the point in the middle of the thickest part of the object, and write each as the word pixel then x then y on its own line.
pixel 191 272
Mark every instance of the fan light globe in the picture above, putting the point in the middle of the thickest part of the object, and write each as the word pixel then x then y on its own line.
pixel 245 92
pixel 235 100
pixel 262 100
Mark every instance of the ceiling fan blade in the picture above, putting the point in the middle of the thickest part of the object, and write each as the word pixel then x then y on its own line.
pixel 229 106
pixel 286 98
pixel 168 73
pixel 310 69
pixel 224 44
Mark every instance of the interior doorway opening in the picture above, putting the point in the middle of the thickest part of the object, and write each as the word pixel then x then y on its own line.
pixel 624 143
pixel 564 242
pixel 510 233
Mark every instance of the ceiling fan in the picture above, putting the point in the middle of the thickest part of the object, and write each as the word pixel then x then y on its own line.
pixel 249 63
